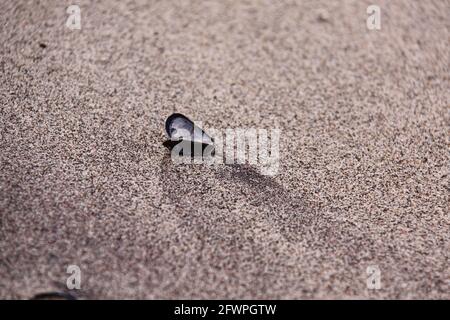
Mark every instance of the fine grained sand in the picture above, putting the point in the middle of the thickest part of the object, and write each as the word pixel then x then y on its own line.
pixel 363 178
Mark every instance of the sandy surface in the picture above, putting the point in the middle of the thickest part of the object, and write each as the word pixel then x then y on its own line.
pixel 363 177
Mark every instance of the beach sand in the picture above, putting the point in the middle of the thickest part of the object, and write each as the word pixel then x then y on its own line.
pixel 364 150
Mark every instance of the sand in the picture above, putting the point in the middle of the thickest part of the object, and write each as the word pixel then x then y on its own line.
pixel 364 152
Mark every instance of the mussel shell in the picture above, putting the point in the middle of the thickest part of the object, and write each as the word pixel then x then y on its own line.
pixel 182 132
pixel 180 127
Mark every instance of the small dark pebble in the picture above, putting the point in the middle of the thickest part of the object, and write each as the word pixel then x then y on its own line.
pixel 54 296
pixel 42 45
pixel 323 17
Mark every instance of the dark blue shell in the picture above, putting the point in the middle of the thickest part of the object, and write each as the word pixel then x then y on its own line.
pixel 180 127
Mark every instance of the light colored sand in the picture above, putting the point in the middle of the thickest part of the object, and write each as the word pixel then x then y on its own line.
pixel 364 170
